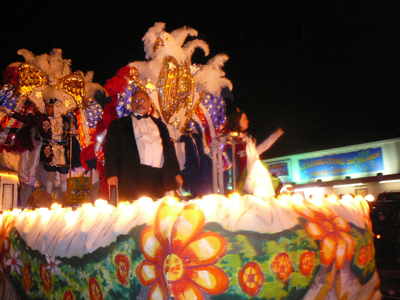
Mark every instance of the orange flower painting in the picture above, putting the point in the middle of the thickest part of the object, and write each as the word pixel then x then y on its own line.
pixel 179 257
pixel 6 224
pixel 282 267
pixel 336 245
pixel 251 278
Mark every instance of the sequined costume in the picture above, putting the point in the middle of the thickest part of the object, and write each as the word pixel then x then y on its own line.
pixel 54 153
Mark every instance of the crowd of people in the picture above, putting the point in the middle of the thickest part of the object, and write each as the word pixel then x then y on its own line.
pixel 140 158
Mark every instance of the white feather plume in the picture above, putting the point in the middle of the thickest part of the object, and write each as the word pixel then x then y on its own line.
pixel 27 55
pixel 52 65
pixel 150 37
pixel 171 48
pixel 211 77
pixel 191 46
pixel 181 34
pixel 91 87
pixel 59 67
pixel 148 70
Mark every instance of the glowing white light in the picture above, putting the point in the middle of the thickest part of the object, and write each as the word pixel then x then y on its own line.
pixel 283 197
pixel 389 181
pixel 347 197
pixel 316 200
pixel 123 205
pixel 261 192
pixel 347 185
pixel 234 196
pixel 99 203
pixel 297 198
pixel 332 198
pixel 127 208
pixel 171 200
pixel 369 198
pixel 16 212
pixel 44 212
pixel 145 202
pixel 71 217
pixel 88 207
pixel 55 206
pixel 359 198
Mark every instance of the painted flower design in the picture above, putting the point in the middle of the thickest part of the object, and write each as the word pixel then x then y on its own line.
pixel 68 295
pixel 53 264
pixel 6 225
pixel 282 267
pixel 123 266
pixel 337 245
pixel 251 278
pixel 365 254
pixel 306 262
pixel 362 256
pixel 179 257
pixel 14 262
pixel 45 277
pixel 95 292
pixel 6 244
pixel 27 277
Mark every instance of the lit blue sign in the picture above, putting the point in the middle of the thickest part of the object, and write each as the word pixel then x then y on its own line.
pixel 361 161
pixel 278 169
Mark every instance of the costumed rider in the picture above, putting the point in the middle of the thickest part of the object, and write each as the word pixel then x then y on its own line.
pixel 53 128
pixel 238 122
pixel 140 158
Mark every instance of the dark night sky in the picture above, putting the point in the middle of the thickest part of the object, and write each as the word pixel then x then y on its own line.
pixel 327 72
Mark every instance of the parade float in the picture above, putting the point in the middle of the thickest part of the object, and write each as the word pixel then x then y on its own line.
pixel 24 90
pixel 250 246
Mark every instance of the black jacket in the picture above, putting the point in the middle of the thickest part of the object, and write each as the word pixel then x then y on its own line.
pixel 122 157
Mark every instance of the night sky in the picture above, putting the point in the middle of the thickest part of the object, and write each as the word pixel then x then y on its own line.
pixel 326 72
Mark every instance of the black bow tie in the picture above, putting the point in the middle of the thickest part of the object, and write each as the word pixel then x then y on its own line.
pixel 139 116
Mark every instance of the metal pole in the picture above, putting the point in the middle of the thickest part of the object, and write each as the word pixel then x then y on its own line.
pixel 70 123
pixel 214 166
pixel 220 171
pixel 233 166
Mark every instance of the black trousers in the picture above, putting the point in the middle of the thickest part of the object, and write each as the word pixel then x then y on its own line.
pixel 144 182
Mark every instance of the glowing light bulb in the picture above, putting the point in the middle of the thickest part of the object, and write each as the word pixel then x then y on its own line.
pixel 123 205
pixel 16 212
pixel 171 200
pixel 358 197
pixel 44 212
pixel 145 202
pixel 297 198
pixel 127 208
pixel 55 206
pixel 316 200
pixel 71 217
pixel 283 197
pixel 369 198
pixel 88 207
pixel 332 198
pixel 347 197
pixel 99 203
pixel 261 192
pixel 234 196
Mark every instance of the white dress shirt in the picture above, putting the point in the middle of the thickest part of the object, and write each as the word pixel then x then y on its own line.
pixel 148 141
